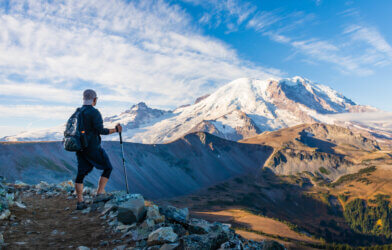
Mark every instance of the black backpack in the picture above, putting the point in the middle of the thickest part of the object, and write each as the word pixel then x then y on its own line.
pixel 75 138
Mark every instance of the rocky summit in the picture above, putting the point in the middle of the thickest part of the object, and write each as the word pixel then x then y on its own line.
pixel 42 216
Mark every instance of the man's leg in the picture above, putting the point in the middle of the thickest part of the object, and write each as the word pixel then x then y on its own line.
pixel 105 174
pixel 101 185
pixel 84 167
pixel 79 191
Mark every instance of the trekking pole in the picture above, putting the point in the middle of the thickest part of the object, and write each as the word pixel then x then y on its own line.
pixel 123 161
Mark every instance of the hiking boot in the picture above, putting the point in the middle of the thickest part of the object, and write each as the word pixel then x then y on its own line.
pixel 102 198
pixel 81 205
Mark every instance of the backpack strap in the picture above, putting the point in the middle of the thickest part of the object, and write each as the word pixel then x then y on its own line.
pixel 81 118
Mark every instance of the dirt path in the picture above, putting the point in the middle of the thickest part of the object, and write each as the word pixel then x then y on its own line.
pixel 52 223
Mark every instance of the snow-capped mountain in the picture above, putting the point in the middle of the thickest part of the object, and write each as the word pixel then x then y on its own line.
pixel 237 110
pixel 138 115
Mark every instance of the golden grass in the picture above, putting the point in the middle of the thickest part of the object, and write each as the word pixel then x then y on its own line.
pixel 261 224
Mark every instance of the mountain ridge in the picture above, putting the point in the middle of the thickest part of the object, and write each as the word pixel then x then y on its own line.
pixel 240 109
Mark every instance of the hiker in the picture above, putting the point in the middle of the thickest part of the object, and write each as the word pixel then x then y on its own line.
pixel 94 155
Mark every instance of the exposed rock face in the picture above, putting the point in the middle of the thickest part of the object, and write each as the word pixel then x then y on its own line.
pixel 201 98
pixel 326 151
pixel 244 126
pixel 340 135
pixel 136 116
pixel 291 161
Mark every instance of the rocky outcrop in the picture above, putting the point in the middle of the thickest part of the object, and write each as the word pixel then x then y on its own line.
pixel 326 151
pixel 340 135
pixel 156 228
pixel 291 162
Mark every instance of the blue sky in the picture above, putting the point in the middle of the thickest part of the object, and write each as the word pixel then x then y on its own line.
pixel 167 53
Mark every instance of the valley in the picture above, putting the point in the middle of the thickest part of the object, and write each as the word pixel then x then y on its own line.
pixel 270 157
pixel 292 185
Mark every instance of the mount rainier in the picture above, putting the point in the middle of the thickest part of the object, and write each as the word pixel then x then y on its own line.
pixel 238 110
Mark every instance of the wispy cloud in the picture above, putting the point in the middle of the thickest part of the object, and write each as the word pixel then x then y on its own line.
pixel 381 49
pixel 230 13
pixel 288 28
pixel 138 49
pixel 36 111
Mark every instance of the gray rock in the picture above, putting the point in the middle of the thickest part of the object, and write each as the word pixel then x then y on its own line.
pixel 141 243
pixel 162 235
pixel 153 214
pixel 1 238
pixel 195 242
pixel 199 226
pixel 108 208
pixel 5 214
pixel 125 228
pixel 83 248
pixel 157 247
pixel 217 235
pixel 122 247
pixel 147 224
pixel 116 241
pixel 175 214
pixel 132 210
pixel 97 206
pixel 171 246
pixel 103 243
pixel 179 229
pixel 139 234
pixel 233 245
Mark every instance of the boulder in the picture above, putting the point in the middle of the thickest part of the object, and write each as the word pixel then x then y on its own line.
pixel 179 229
pixel 132 210
pixel 139 234
pixel 175 214
pixel 147 224
pixel 216 238
pixel 161 236
pixel 195 242
pixel 153 214
pixel 199 226
pixel 216 235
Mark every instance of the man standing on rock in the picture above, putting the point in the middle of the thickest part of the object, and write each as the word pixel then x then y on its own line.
pixel 94 155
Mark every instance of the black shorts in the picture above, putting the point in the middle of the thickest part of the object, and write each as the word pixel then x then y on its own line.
pixel 91 158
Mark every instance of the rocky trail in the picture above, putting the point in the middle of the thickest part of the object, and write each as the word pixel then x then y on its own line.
pixel 52 223
pixel 43 216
